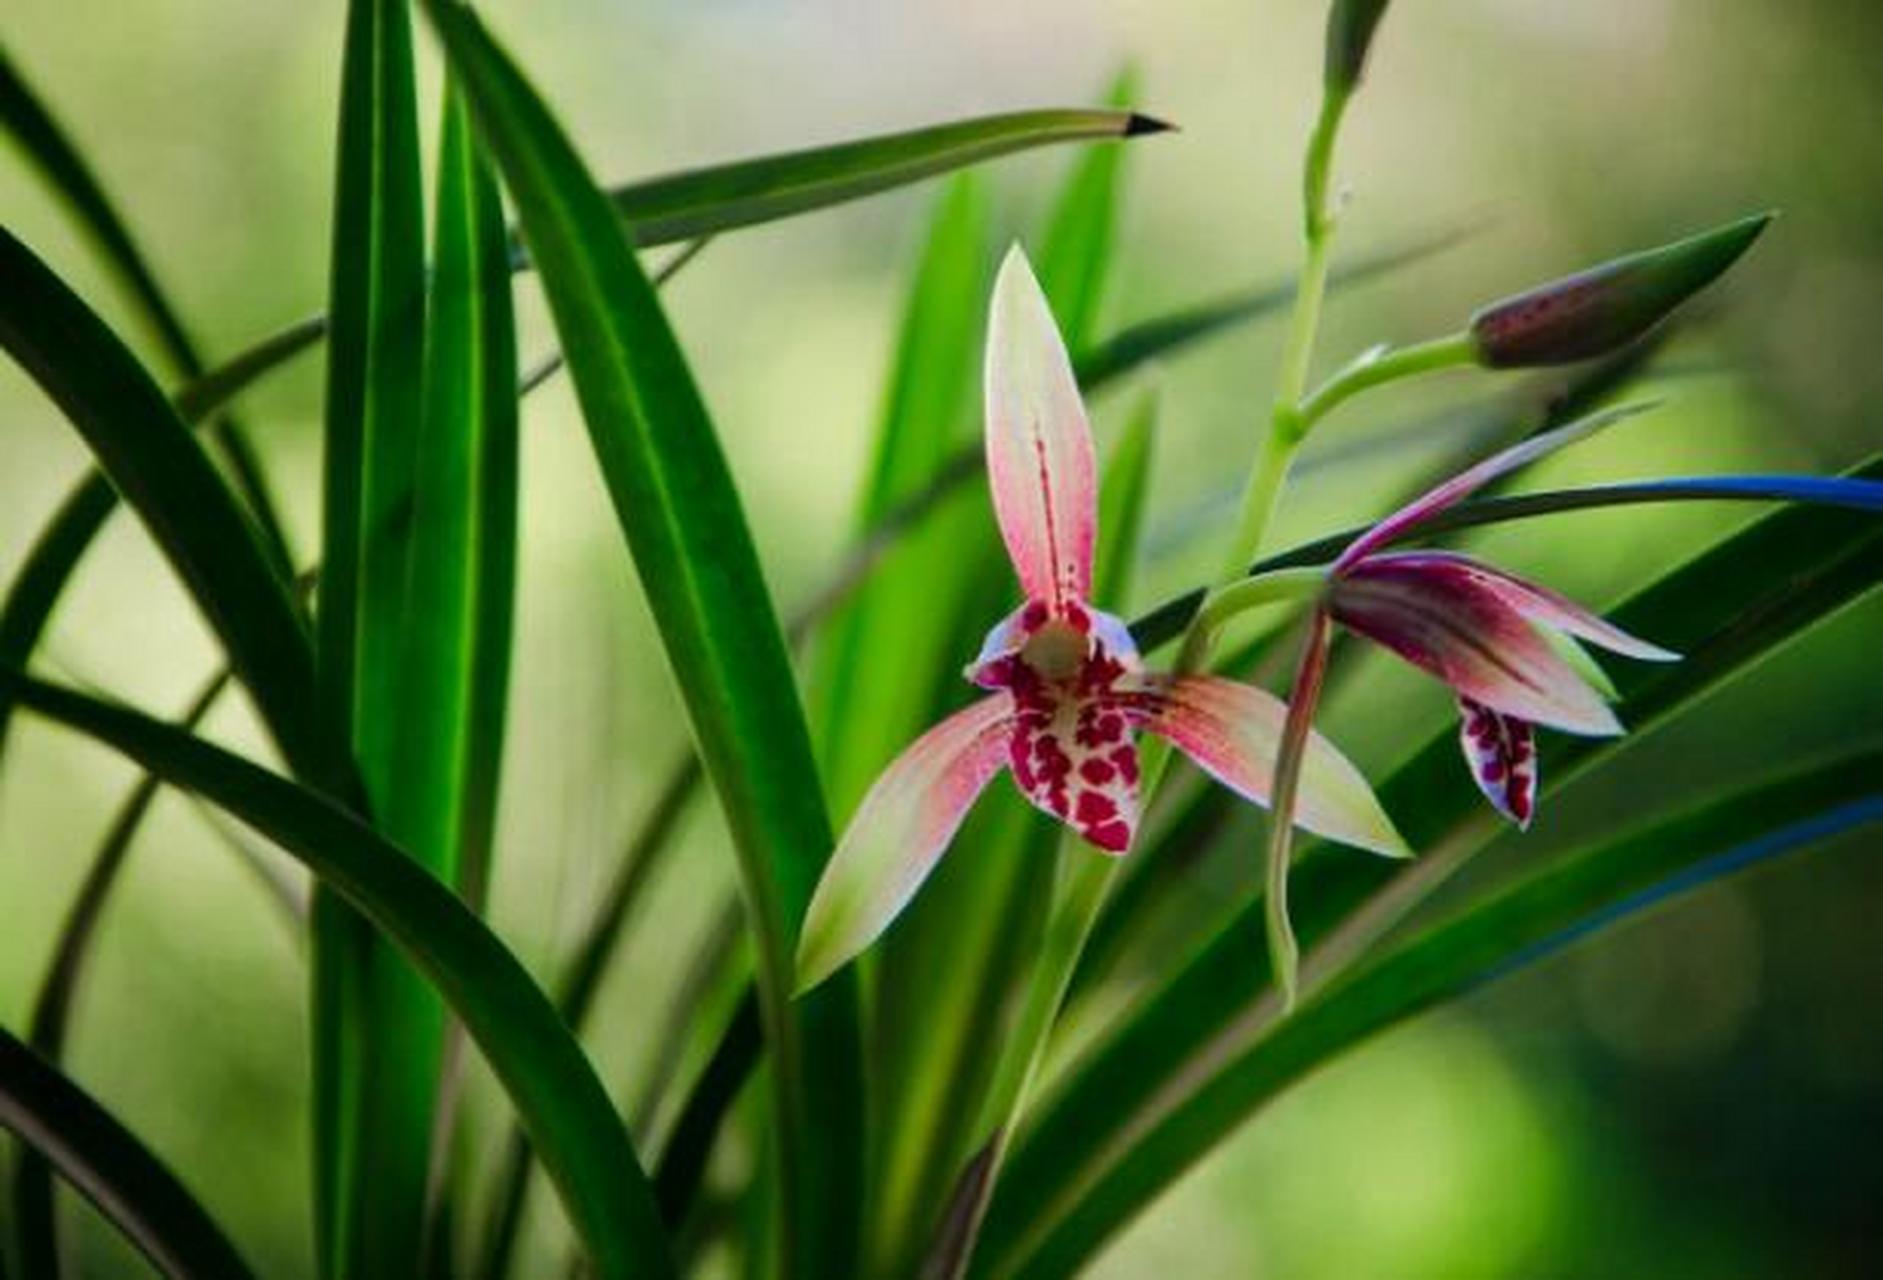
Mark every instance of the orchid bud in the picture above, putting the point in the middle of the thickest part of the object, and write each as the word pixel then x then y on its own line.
pixel 1350 25
pixel 1606 307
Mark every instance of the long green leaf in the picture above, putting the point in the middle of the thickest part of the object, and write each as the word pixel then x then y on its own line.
pixel 158 467
pixel 685 205
pixel 556 1092
pixel 1726 610
pixel 378 1031
pixel 35 1225
pixel 140 1197
pixel 24 115
pixel 1580 895
pixel 678 509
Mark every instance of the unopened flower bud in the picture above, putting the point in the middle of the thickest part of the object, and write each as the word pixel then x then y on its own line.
pixel 1606 307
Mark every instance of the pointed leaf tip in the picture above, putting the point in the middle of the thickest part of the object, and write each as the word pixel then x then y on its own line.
pixel 1606 307
pixel 1138 124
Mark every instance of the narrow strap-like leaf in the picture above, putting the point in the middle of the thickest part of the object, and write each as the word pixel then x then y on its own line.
pixel 109 1167
pixel 377 1030
pixel 675 500
pixel 562 1104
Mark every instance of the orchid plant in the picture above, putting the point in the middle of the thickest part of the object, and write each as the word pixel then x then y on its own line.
pixel 1071 693
pixel 1010 1071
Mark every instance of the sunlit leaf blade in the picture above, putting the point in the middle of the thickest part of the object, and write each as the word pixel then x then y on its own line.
pixel 681 206
pixel 157 465
pixel 1583 893
pixel 677 506
pixel 32 124
pixel 1726 610
pixel 868 710
pixel 555 1091
pixel 378 1031
pixel 35 1226
pixel 110 1168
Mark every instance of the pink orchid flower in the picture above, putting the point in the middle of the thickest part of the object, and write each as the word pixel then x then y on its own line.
pixel 1069 694
pixel 1484 632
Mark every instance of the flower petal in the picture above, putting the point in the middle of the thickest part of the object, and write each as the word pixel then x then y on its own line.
pixel 1501 751
pixel 1469 481
pixel 1233 731
pixel 905 821
pixel 1077 762
pixel 1039 448
pixel 1540 604
pixel 1464 632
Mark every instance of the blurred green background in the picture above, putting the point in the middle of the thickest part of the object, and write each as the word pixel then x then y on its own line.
pixel 1698 1094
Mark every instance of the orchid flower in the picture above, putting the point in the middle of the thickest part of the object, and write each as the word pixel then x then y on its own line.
pixel 1507 647
pixel 1068 693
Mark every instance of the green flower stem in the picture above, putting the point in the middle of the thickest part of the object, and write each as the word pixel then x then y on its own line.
pixel 1286 427
pixel 1280 586
pixel 1382 366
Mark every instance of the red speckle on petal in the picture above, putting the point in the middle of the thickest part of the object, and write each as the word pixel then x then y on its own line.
pixel 1096 806
pixel 1113 837
pixel 1126 759
pixel 1097 772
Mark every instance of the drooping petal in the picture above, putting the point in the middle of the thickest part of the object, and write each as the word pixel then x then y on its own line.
pixel 1233 731
pixel 1537 603
pixel 1075 759
pixel 1039 448
pixel 1469 481
pixel 905 821
pixel 1467 635
pixel 1501 751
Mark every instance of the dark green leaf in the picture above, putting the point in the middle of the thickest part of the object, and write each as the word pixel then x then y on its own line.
pixel 677 506
pixel 160 469
pixel 562 1104
pixel 110 1168
pixel 684 205
pixel 378 1031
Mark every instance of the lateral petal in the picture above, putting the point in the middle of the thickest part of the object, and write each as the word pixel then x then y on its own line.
pixel 898 833
pixel 1465 633
pixel 1536 602
pixel 1039 447
pixel 1233 731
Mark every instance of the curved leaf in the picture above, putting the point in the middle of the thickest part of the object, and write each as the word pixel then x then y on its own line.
pixel 109 1167
pixel 562 1104
pixel 678 509
pixel 158 466
pixel 1577 896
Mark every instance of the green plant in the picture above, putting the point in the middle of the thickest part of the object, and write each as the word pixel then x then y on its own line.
pixel 907 1122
